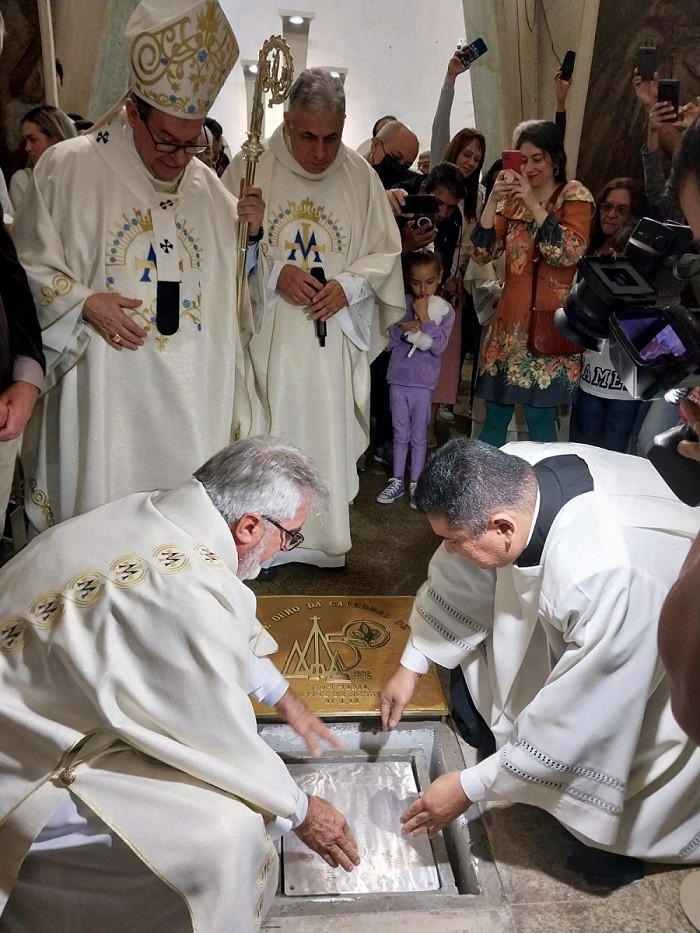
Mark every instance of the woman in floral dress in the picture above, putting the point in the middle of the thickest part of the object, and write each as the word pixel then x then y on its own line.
pixel 538 202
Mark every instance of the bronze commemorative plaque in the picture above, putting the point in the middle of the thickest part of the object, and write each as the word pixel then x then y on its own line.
pixel 337 652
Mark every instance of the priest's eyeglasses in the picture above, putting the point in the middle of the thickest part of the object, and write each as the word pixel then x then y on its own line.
pixel 161 146
pixel 290 539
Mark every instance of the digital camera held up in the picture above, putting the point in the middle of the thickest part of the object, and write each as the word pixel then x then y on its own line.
pixel 633 302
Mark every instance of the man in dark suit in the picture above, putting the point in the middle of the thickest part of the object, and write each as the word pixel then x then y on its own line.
pixel 22 363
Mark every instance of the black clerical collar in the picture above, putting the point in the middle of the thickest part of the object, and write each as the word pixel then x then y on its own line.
pixel 559 479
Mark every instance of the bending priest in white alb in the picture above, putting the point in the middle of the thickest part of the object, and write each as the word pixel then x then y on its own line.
pixel 546 592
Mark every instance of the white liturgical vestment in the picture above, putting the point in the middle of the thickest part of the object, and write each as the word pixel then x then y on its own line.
pixel 318 397
pixel 125 638
pixel 114 422
pixel 561 661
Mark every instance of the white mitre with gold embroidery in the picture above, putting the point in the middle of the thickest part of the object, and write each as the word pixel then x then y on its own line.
pixel 180 54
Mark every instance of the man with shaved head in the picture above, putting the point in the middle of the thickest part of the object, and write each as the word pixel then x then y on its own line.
pixel 392 153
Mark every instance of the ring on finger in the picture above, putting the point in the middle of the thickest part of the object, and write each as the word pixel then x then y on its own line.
pixel 116 338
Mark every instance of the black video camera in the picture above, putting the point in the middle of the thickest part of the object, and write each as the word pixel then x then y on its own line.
pixel 632 301
pixel 654 344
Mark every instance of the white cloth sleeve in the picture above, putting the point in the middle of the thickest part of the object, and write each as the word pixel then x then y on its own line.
pixel 281 825
pixel 25 369
pixel 413 659
pixel 476 781
pixel 355 320
pixel 265 683
pixel 251 257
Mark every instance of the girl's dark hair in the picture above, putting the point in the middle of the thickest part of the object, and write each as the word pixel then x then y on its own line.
pixel 638 208
pixel 548 137
pixel 424 257
pixel 471 184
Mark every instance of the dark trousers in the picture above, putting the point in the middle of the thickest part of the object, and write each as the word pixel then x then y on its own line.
pixel 603 422
pixel 379 406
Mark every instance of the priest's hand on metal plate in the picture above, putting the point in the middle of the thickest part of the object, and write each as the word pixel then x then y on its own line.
pixel 103 311
pixel 251 207
pixel 297 286
pixel 397 692
pixel 328 301
pixel 436 807
pixel 326 831
pixel 313 730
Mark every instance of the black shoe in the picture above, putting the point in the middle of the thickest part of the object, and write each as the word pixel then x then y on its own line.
pixel 605 869
pixel 267 574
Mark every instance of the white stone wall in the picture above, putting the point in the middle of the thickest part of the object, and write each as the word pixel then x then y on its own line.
pixel 395 53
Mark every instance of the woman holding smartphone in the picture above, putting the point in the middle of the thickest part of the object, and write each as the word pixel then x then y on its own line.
pixel 533 211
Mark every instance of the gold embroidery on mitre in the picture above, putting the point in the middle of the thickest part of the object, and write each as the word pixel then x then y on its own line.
pixel 181 67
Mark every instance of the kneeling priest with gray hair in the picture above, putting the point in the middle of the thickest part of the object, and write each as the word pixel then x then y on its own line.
pixel 546 592
pixel 135 790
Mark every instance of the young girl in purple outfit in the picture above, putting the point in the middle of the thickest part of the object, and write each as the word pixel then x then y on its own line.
pixel 416 343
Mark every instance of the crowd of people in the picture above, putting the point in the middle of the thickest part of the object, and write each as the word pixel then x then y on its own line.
pixel 134 360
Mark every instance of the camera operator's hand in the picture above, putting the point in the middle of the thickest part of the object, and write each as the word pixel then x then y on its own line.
pixel 413 237
pixel 647 91
pixel 690 406
pixel 561 89
pixel 454 69
pixel 397 199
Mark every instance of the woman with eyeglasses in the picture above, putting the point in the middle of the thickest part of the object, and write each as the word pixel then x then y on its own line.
pixel 604 413
pixel 619 207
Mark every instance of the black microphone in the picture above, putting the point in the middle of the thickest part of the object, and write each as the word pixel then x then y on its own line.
pixel 321 330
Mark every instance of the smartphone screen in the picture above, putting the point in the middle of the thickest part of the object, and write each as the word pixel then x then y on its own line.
pixel 567 65
pixel 646 62
pixel 670 90
pixel 469 53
